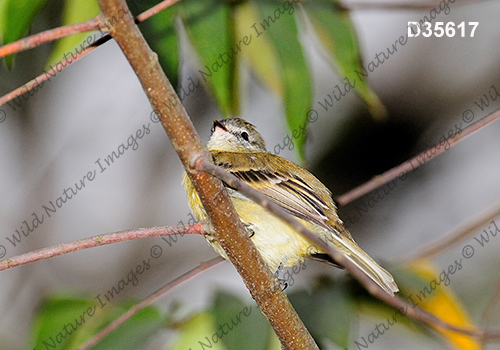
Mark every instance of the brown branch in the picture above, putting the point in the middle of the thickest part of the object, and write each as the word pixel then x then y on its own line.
pixel 100 240
pixel 39 80
pixel 48 35
pixel 155 9
pixel 464 231
pixel 148 301
pixel 413 164
pixel 396 302
pixel 227 228
pixel 490 311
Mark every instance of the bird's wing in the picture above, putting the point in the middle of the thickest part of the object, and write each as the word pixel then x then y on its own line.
pixel 285 183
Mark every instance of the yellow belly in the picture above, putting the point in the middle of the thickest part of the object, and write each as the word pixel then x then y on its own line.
pixel 276 241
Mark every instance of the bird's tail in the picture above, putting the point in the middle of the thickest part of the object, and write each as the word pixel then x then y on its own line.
pixel 363 261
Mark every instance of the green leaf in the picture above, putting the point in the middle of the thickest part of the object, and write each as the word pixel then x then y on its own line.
pixel 57 319
pixel 75 11
pixel 328 313
pixel 19 16
pixel 209 27
pixel 198 330
pixel 133 333
pixel 274 342
pixel 3 19
pixel 336 32
pixel 279 26
pixel 66 321
pixel 262 55
pixel 160 33
pixel 241 326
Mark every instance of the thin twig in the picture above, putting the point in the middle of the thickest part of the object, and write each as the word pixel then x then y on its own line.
pixel 48 35
pixel 396 302
pixel 154 10
pixel 39 80
pixel 413 163
pixel 451 239
pixel 490 310
pixel 148 301
pixel 100 240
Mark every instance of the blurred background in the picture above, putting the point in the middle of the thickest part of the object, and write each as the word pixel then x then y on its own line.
pixel 55 136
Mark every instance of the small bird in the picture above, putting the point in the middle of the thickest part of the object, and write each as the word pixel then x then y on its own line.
pixel 237 147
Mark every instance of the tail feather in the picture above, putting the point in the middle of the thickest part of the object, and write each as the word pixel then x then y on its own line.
pixel 373 270
pixel 365 263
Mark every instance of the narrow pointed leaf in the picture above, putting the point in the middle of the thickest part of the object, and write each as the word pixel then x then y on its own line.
pixel 75 11
pixel 336 32
pixel 3 19
pixel 430 290
pixel 210 30
pixel 19 17
pixel 279 25
pixel 261 53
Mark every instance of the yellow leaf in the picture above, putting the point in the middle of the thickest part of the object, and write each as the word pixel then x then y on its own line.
pixel 262 56
pixel 75 11
pixel 442 302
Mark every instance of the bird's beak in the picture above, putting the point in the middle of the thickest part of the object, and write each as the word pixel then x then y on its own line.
pixel 218 124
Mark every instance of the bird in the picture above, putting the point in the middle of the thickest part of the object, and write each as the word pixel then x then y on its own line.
pixel 236 146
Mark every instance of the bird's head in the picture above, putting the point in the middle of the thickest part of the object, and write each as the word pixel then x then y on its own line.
pixel 235 135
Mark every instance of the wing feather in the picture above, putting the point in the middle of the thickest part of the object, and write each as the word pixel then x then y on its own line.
pixel 291 189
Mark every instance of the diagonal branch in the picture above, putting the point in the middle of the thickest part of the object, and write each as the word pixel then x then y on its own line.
pixel 227 228
pixel 154 10
pixel 413 163
pixel 49 35
pixel 490 312
pixel 456 236
pixel 148 301
pixel 100 240
pixel 396 302
pixel 39 80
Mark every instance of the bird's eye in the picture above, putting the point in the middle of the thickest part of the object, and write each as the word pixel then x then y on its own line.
pixel 244 134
